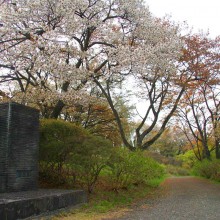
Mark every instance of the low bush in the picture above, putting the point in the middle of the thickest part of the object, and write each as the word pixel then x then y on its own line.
pixel 177 170
pixel 58 140
pixel 71 156
pixel 89 159
pixel 187 159
pixel 208 168
pixel 128 168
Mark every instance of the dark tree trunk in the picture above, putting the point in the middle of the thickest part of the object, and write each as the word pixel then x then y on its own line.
pixel 57 109
pixel 60 104
pixel 206 152
pixel 217 148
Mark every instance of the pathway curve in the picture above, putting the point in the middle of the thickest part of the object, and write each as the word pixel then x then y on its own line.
pixel 185 198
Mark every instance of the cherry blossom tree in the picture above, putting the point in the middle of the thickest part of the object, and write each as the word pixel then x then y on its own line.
pixel 54 50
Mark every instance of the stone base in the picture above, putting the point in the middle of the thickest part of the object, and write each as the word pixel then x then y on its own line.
pixel 20 205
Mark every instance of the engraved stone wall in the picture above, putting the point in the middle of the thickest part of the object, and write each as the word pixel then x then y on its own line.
pixel 19 138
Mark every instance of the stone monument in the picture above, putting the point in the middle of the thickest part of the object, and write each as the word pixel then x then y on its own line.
pixel 19 137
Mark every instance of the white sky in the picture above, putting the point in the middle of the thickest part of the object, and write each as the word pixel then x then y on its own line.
pixel 199 14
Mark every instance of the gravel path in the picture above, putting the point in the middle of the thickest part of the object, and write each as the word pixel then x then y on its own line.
pixel 184 198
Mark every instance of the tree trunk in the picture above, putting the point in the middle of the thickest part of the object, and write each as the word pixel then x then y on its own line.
pixel 60 104
pixel 217 148
pixel 206 152
pixel 57 109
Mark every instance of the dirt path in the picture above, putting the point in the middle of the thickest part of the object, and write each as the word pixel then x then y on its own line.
pixel 184 198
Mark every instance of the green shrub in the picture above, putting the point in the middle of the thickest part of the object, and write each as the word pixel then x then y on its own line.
pixel 89 159
pixel 208 168
pixel 58 140
pixel 127 168
pixel 188 159
pixel 70 155
pixel 177 170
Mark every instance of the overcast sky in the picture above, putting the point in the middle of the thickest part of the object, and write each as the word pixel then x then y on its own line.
pixel 200 14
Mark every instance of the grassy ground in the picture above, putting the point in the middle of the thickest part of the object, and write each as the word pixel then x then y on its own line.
pixel 108 204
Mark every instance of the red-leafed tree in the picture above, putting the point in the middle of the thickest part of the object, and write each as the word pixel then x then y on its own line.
pixel 200 106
